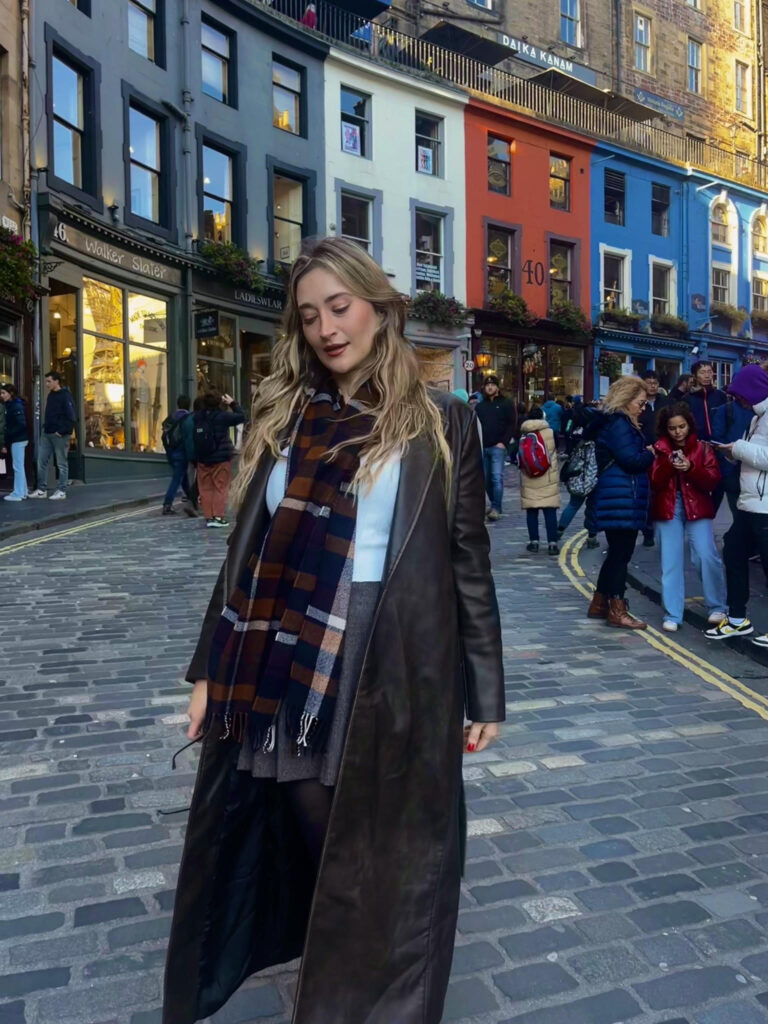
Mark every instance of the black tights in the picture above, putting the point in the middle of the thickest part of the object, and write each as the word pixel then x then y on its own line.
pixel 310 802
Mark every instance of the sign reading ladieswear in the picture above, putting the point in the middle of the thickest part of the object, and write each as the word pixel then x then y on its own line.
pixel 100 249
pixel 542 58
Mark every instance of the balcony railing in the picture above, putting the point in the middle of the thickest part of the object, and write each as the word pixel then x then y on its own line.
pixel 384 45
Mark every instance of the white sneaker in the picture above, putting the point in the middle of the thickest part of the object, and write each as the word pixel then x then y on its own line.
pixel 39 493
pixel 13 497
pixel 670 627
pixel 727 630
pixel 58 496
pixel 716 618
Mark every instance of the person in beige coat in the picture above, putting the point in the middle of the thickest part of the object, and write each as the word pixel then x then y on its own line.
pixel 541 492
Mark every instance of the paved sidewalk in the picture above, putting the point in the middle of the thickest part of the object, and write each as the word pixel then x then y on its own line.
pixel 82 500
pixel 618 847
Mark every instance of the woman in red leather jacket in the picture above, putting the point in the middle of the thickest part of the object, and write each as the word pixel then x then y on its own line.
pixel 683 477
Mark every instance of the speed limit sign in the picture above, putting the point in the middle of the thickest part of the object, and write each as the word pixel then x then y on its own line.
pixel 469 365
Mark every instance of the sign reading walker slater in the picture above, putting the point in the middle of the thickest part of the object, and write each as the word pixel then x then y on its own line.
pixel 544 59
pixel 100 249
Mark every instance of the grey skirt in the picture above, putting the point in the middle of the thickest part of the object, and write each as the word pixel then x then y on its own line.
pixel 284 763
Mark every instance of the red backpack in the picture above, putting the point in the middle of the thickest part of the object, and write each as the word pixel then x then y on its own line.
pixel 532 454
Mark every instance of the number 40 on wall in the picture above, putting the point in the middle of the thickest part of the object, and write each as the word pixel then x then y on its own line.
pixel 534 272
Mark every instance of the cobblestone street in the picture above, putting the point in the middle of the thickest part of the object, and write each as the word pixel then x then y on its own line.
pixel 618 859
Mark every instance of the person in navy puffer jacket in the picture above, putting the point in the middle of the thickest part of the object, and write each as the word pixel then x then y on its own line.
pixel 619 503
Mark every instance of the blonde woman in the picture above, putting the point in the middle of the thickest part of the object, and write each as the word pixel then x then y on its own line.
pixel 619 503
pixel 352 628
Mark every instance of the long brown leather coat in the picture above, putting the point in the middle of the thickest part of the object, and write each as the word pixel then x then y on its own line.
pixel 377 938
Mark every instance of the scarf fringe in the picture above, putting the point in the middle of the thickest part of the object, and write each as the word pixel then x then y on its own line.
pixel 306 732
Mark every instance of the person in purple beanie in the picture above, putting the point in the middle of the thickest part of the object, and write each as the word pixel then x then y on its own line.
pixel 750 524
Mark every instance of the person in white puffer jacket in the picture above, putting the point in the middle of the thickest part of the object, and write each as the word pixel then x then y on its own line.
pixel 750 524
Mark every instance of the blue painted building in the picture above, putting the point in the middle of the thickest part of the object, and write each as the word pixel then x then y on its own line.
pixel 679 269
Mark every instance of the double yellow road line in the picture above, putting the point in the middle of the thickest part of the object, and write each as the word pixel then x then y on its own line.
pixel 569 564
pixel 9 549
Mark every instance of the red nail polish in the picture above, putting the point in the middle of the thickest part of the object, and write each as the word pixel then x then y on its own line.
pixel 470 747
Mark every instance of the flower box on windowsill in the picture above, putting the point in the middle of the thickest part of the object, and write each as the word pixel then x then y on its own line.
pixel 513 306
pixel 733 316
pixel 760 321
pixel 623 319
pixel 437 310
pixel 666 323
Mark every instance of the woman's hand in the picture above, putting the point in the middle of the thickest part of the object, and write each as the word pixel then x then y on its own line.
pixel 198 702
pixel 683 465
pixel 477 736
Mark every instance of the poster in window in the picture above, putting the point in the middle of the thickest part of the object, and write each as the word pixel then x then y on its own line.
pixel 350 138
pixel 428 272
pixel 425 160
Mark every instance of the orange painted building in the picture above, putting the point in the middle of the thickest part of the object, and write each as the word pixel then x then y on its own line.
pixel 528 233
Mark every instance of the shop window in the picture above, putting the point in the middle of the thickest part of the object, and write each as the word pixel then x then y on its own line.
pixel 759 236
pixel 570 22
pixel 614 296
pixel 287 82
pixel 111 422
pixel 62 337
pixel 499 260
pixel 288 217
pixel 660 203
pixel 142 28
pixel 660 287
pixel 499 166
pixel 559 182
pixel 216 359
pixel 356 219
pixel 429 252
pixel 218 62
pixel 560 272
pixel 355 116
pixel 428 137
pixel 505 362
pixel 217 195
pixel 643 30
pixel 565 371
pixel 615 187
pixel 760 294
pixel 255 364
pixel 695 49
pixel 146 166
pixel 719 223
pixel 721 285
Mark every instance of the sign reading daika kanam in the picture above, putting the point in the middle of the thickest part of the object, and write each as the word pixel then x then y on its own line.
pixel 543 58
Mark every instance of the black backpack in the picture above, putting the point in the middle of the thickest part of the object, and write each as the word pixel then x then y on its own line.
pixel 172 436
pixel 206 441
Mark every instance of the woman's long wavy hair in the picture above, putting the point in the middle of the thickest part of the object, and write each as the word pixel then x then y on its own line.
pixel 402 408
pixel 621 393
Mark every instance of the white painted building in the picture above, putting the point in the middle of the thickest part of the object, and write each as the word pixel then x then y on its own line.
pixel 395 180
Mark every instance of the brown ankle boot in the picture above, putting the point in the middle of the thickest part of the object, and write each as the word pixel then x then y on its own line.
pixel 618 615
pixel 598 607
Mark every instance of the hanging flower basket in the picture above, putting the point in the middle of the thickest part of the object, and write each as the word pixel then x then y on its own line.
pixel 666 323
pixel 569 317
pixel 624 318
pixel 437 309
pixel 609 365
pixel 514 307
pixel 18 261
pixel 760 320
pixel 235 264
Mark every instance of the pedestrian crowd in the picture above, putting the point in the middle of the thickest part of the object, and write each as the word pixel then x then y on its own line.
pixel 646 462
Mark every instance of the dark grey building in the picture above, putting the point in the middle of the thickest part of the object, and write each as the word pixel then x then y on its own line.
pixel 160 125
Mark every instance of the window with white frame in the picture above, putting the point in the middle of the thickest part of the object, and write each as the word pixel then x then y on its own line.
pixel 760 294
pixel 499 259
pixel 570 22
pixel 643 29
pixel 695 49
pixel 742 88
pixel 719 224
pixel 661 276
pixel 355 114
pixel 356 219
pixel 614 291
pixel 723 373
pixel 721 284
pixel 429 251
pixel 740 15
pixel 760 236
pixel 428 138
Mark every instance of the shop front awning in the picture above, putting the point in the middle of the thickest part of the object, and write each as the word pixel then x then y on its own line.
pixel 469 44
pixel 562 82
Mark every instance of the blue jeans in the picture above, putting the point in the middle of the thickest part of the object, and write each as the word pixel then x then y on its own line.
pixel 19 476
pixel 570 511
pixel 671 536
pixel 550 523
pixel 177 460
pixel 53 445
pixel 493 465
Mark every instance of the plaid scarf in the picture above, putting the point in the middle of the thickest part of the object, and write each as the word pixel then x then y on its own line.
pixel 280 638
